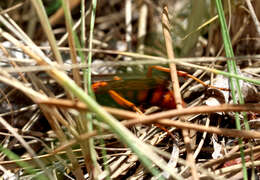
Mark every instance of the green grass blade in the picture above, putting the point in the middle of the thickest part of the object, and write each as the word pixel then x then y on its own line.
pixel 234 83
pixel 87 77
pixel 92 23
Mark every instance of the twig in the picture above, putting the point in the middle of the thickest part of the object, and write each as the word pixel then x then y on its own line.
pixel 209 129
pixel 176 89
pixel 135 118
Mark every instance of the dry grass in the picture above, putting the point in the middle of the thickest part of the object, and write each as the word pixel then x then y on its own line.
pixel 49 125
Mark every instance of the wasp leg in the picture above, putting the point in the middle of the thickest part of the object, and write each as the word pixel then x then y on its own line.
pixel 159 68
pixel 123 102
pixel 165 130
pixel 183 74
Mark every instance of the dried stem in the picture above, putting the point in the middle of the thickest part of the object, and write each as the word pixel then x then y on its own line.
pixel 176 89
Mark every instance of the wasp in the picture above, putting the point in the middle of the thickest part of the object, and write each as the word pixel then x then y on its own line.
pixel 134 91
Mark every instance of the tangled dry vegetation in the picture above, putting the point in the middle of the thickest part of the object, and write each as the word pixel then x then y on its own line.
pixel 51 128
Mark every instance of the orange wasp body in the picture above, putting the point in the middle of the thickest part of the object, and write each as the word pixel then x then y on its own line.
pixel 136 91
pixel 130 92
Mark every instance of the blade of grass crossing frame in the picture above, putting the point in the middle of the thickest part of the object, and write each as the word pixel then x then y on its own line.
pixel 92 23
pixel 234 82
pixel 83 41
pixel 87 82
pixel 83 24
pixel 85 119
